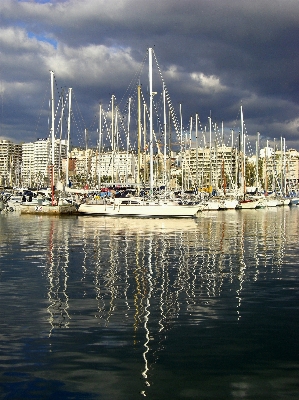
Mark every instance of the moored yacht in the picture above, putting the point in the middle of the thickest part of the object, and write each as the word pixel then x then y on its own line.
pixel 228 203
pixel 138 207
pixel 248 203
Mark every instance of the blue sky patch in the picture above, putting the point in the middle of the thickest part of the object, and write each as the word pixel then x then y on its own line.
pixel 43 38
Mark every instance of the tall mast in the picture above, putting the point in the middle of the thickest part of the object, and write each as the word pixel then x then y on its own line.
pixel 150 59
pixel 284 167
pixel 190 145
pixel 243 149
pixel 100 146
pixel 266 167
pixel 60 138
pixel 196 144
pixel 210 128
pixel 281 168
pixel 128 139
pixel 112 135
pixel 86 156
pixel 138 139
pixel 144 144
pixel 68 138
pixel 52 139
pixel 52 120
pixel 274 168
pixel 182 156
pixel 257 155
pixel 165 137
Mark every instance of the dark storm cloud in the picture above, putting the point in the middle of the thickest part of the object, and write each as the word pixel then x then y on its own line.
pixel 214 54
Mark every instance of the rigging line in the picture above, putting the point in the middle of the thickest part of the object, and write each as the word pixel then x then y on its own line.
pixel 122 124
pixel 171 108
pixel 78 108
pixel 236 120
pixel 135 77
pixel 108 129
pixel 147 112
pixel 81 143
pixel 95 119
pixel 42 105
pixel 60 119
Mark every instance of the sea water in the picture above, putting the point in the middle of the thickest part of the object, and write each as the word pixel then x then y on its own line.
pixel 124 308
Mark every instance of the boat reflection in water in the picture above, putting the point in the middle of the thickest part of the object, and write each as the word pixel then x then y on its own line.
pixel 104 307
pixel 140 284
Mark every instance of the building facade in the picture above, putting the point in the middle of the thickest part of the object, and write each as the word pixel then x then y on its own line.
pixel 28 164
pixel 10 163
pixel 210 167
pixel 36 159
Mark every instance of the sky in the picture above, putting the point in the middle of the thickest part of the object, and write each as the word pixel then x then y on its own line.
pixel 213 56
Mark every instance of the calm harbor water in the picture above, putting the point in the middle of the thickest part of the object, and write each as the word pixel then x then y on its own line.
pixel 106 308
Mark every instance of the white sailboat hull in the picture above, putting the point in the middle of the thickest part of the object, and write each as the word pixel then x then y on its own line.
pixel 228 204
pixel 140 210
pixel 211 205
pixel 249 204
pixel 271 202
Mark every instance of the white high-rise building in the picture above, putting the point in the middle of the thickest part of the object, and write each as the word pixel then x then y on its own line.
pixel 27 164
pixel 10 163
pixel 37 159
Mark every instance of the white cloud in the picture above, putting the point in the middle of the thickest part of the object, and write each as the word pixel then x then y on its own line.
pixel 207 83
pixel 91 64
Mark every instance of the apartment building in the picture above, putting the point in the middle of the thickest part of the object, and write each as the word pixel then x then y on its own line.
pixel 28 165
pixel 278 169
pixel 287 167
pixel 120 167
pixel 36 158
pixel 206 166
pixel 10 163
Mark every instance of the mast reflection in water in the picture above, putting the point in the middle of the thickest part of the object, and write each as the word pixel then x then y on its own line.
pixel 129 308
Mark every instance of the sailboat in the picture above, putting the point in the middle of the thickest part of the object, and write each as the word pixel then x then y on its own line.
pixel 245 202
pixel 137 206
pixel 56 206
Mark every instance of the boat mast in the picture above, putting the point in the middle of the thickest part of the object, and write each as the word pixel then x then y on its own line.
pixel 112 135
pixel 165 138
pixel 128 140
pixel 100 145
pixel 210 129
pixel 257 158
pixel 281 168
pixel 86 155
pixel 150 58
pixel 190 145
pixel 243 149
pixel 144 145
pixel 138 139
pixel 266 167
pixel 274 168
pixel 68 138
pixel 60 138
pixel 284 167
pixel 196 144
pixel 52 137
pixel 182 156
pixel 52 120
